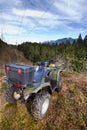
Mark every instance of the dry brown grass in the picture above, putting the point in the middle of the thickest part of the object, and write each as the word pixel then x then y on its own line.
pixel 10 54
pixel 68 109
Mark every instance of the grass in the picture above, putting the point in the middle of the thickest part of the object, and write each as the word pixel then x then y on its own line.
pixel 68 109
pixel 0 87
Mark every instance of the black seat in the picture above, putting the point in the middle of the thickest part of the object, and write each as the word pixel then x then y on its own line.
pixel 39 74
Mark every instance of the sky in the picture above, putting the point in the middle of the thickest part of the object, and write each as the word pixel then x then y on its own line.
pixel 42 20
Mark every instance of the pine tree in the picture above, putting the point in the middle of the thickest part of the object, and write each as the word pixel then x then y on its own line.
pixel 85 39
pixel 79 39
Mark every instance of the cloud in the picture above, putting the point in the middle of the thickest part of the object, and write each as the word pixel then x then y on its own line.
pixel 11 30
pixel 32 13
pixel 19 40
pixel 72 10
pixel 39 20
pixel 6 6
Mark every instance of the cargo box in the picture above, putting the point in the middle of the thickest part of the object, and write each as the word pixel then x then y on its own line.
pixel 19 73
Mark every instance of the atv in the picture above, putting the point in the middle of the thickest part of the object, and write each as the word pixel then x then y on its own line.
pixel 32 83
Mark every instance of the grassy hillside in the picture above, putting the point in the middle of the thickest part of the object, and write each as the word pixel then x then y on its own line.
pixel 68 110
pixel 10 54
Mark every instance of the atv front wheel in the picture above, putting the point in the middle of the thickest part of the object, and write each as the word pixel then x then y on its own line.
pixel 40 105
pixel 59 85
pixel 10 95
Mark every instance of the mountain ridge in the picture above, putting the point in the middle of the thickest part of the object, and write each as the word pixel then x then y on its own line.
pixel 62 40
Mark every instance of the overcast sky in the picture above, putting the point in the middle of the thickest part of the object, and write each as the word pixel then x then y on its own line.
pixel 42 20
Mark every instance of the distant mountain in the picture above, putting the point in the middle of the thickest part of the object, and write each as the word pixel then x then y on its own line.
pixel 58 41
pixel 63 40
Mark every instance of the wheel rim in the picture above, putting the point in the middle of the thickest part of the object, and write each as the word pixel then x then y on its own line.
pixel 45 106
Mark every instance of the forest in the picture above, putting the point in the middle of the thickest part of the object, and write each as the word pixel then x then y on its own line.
pixel 75 53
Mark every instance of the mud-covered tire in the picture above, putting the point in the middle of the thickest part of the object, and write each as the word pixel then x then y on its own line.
pixel 59 85
pixel 9 95
pixel 40 105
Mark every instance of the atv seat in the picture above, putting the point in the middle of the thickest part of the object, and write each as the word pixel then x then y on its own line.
pixel 39 74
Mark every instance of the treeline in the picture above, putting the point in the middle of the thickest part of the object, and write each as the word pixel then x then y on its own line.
pixel 75 53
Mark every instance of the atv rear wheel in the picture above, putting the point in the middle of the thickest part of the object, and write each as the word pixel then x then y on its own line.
pixel 40 105
pixel 59 85
pixel 10 95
